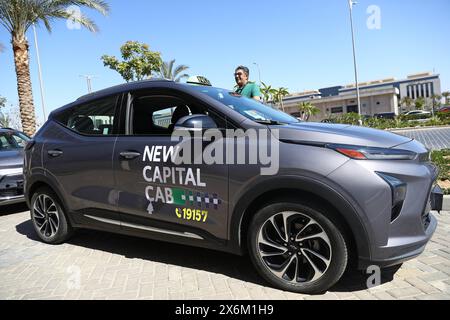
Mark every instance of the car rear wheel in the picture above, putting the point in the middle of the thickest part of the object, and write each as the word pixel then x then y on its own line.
pixel 295 247
pixel 48 217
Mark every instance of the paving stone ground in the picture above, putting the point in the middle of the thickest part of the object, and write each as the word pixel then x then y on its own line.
pixel 95 265
pixel 432 138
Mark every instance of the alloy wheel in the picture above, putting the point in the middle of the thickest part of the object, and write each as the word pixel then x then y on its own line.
pixel 294 247
pixel 46 216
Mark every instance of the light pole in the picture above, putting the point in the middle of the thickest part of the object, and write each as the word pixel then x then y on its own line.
pixel 88 81
pixel 259 72
pixel 358 96
pixel 41 84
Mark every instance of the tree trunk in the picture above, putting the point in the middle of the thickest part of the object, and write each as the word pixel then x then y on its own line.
pixel 24 89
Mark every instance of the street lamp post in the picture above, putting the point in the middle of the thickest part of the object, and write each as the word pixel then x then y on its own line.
pixel 41 84
pixel 358 96
pixel 259 72
pixel 88 81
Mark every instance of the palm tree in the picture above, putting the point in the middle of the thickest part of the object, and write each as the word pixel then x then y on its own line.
pixel 420 103
pixel 279 94
pixel 167 71
pixel 307 110
pixel 446 95
pixel 436 101
pixel 267 91
pixel 408 102
pixel 5 121
pixel 17 16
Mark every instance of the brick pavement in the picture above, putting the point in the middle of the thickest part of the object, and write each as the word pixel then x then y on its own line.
pixel 432 138
pixel 95 265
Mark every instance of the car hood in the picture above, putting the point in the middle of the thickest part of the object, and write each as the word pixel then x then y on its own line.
pixel 339 134
pixel 11 159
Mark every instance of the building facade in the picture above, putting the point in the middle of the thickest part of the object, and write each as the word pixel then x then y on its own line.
pixel 378 96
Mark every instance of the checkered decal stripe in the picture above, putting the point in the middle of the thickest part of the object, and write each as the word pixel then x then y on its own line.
pixel 202 200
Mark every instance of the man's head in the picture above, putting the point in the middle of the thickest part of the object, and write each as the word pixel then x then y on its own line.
pixel 241 75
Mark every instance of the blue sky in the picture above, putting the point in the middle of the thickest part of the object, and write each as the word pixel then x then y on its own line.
pixel 298 44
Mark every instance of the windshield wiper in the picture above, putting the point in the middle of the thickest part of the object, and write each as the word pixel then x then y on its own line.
pixel 270 122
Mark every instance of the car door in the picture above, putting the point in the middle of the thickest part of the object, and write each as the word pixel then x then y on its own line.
pixel 155 194
pixel 77 156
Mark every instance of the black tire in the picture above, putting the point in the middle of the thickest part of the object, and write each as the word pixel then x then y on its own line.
pixel 337 244
pixel 63 231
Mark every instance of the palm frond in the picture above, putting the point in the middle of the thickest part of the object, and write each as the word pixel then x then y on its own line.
pixel 179 69
pixel 183 76
pixel 167 71
pixel 17 16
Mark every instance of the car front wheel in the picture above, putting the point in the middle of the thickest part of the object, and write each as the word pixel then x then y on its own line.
pixel 297 248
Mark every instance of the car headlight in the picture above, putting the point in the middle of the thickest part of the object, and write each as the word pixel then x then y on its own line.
pixel 372 153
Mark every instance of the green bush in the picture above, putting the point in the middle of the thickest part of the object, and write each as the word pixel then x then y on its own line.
pixel 443 116
pixel 442 159
pixel 400 121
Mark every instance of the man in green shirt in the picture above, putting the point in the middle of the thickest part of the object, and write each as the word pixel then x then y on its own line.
pixel 244 87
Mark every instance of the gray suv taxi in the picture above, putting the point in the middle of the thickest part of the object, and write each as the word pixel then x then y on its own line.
pixel 341 195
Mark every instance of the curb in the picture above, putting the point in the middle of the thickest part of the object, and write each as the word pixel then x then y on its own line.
pixel 446 203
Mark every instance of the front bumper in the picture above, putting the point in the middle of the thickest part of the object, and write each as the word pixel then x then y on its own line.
pixel 404 253
pixel 401 249
pixel 11 189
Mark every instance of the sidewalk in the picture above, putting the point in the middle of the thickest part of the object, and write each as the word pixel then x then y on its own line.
pixel 96 265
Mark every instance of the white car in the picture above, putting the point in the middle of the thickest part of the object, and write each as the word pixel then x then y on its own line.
pixel 418 113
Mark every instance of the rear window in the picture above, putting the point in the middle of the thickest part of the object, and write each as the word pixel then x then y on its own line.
pixel 92 118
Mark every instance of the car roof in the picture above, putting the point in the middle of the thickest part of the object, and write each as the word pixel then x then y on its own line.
pixel 131 86
pixel 136 85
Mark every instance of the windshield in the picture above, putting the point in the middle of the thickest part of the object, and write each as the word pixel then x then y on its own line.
pixel 249 108
pixel 12 141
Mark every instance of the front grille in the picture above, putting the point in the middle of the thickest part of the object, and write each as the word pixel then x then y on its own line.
pixel 426 213
pixel 5 193
pixel 426 221
pixel 11 186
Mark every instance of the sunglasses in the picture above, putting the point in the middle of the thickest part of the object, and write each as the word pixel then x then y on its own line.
pixel 238 74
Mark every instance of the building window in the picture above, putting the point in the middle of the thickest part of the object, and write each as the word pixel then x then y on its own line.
pixel 337 110
pixel 427 90
pixel 417 91
pixel 352 109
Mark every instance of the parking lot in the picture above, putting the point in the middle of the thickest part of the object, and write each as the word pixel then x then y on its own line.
pixel 95 265
pixel 432 138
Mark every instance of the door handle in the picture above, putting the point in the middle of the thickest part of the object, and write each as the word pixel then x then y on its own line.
pixel 130 155
pixel 55 153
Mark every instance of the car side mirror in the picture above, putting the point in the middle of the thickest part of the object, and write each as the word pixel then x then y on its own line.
pixel 195 122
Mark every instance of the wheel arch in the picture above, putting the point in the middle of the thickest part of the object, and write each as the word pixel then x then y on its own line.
pixel 40 180
pixel 309 190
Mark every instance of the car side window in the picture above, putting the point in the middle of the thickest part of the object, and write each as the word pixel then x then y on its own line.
pixel 92 118
pixel 158 114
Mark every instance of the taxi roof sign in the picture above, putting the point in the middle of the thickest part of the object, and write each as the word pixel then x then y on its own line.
pixel 199 80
